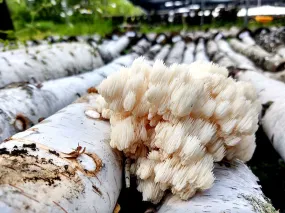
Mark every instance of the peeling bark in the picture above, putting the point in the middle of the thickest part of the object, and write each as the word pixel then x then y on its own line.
pixel 47 62
pixel 272 96
pixel 235 190
pixel 63 164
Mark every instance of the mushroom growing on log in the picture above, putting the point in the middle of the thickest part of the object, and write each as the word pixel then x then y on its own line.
pixel 175 122
pixel 235 190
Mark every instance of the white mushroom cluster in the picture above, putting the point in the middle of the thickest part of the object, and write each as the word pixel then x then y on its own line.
pixel 175 122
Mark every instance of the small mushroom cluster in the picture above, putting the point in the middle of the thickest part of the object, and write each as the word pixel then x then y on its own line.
pixel 175 122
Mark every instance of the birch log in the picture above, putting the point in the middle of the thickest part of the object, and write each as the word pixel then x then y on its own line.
pixel 21 107
pixel 212 48
pixel 141 47
pixel 240 61
pixel 63 164
pixel 112 49
pixel 188 57
pixel 153 51
pixel 200 52
pixel 270 42
pixel 246 38
pixel 279 76
pixel 271 94
pixel 163 53
pixel 176 53
pixel 261 57
pixel 47 62
pixel 235 190
pixel 218 56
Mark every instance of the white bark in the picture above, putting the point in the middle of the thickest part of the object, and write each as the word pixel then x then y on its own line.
pixel 212 48
pixel 218 56
pixel 163 53
pixel 200 52
pixel 47 62
pixel 189 53
pixel 151 37
pixel 262 58
pixel 240 60
pixel 30 102
pixel 246 38
pixel 23 106
pixel 280 76
pixel 161 38
pixel 235 190
pixel 40 174
pixel 141 47
pixel 270 92
pixel 176 53
pixel 112 49
pixel 153 51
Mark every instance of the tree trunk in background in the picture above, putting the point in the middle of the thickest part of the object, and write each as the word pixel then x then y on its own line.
pixel 6 21
pixel 235 190
pixel 63 164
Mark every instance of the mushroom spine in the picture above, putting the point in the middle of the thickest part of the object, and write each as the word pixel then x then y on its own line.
pixel 175 122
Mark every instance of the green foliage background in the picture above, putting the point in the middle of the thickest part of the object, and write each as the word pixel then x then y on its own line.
pixel 40 18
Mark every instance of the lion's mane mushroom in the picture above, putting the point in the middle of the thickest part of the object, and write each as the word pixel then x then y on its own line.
pixel 175 122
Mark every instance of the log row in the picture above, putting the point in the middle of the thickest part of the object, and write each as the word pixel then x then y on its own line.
pixel 23 106
pixel 65 164
pixel 200 51
pixel 46 62
pixel 176 53
pixel 262 58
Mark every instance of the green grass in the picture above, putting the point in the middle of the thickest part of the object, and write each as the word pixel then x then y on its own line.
pixel 215 24
pixel 30 25
pixel 39 30
pixel 45 20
